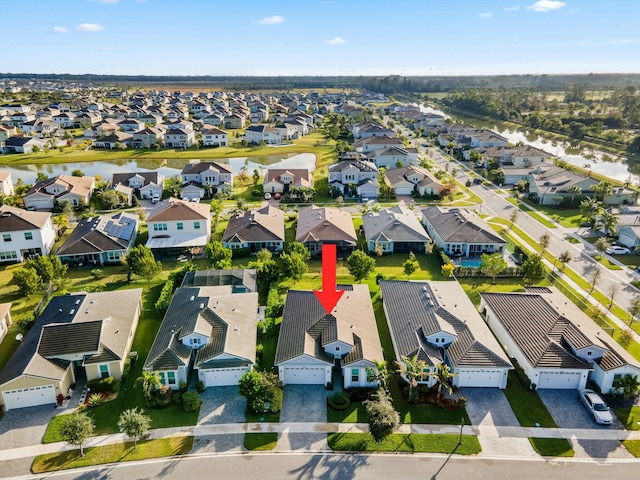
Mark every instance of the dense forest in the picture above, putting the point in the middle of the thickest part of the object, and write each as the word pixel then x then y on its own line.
pixel 391 84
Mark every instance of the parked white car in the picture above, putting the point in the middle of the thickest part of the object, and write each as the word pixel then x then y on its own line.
pixel 267 196
pixel 596 407
pixel 617 250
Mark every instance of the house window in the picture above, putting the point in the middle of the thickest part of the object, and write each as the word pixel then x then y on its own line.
pixel 196 225
pixel 588 353
pixel 355 375
pixel 180 226
pixel 425 372
pixel 158 227
pixel 171 378
pixel 104 371
pixel 6 237
pixel 337 349
pixel 28 235
pixel 8 256
pixel 162 378
pixel 195 341
pixel 437 340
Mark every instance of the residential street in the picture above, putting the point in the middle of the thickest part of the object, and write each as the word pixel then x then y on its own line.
pixel 581 263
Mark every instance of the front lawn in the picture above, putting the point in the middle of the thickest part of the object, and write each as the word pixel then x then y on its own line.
pixel 526 405
pixel 356 413
pixel 260 441
pixel 552 447
pixel 119 452
pixel 629 416
pixel 405 443
pixel 633 446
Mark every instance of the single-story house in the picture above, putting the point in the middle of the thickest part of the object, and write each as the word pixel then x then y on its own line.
pixel 99 240
pixel 413 180
pixel 78 331
pixel 319 225
pixel 256 229
pixel 437 322
pixel 311 341
pixel 461 232
pixel 556 344
pixel 22 144
pixel 394 230
pixel 213 329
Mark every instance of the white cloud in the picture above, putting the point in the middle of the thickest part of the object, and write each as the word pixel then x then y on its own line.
pixel 336 41
pixel 546 5
pixel 512 9
pixel 89 27
pixel 58 29
pixel 486 15
pixel 273 20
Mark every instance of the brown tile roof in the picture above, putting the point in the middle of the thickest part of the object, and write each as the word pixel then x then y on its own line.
pixel 318 224
pixel 266 224
pixel 301 176
pixel 174 209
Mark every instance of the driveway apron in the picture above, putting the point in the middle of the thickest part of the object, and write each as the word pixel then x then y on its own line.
pixel 222 405
pixel 303 403
pixel 488 409
pixel 566 409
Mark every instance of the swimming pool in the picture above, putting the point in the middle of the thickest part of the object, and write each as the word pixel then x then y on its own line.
pixel 469 262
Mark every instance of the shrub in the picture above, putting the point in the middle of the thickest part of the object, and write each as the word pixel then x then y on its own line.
pixel 379 277
pixel 115 387
pixel 256 193
pixel 339 401
pixel 191 402
pixel 97 273
pixel 126 370
pixel 98 287
pixel 360 394
pixel 25 324
pixel 59 399
pixel 95 399
pixel 182 386
pixel 162 304
pixel 276 400
pixel 176 398
pixel 200 386
pixel 259 352
pixel 240 253
pixel 100 384
pixel 163 396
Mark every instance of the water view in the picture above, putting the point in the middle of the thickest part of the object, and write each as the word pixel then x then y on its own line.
pixel 167 167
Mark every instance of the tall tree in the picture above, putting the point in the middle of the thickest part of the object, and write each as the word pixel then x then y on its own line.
pixel 607 223
pixel 412 370
pixel 634 310
pixel 492 265
pixel 216 209
pixel 27 280
pixel 544 241
pixel 219 255
pixel 410 265
pixel 379 373
pixel 383 418
pixel 443 376
pixel 533 268
pixel 76 428
pixel 594 278
pixel 564 258
pixel 590 208
pixel 140 261
pixel 513 218
pixel 602 190
pixel 601 246
pixel 360 265
pixel 150 382
pixel 134 424
pixel 574 190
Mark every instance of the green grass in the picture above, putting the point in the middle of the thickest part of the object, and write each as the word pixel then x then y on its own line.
pixel 567 217
pixel 552 447
pixel 119 452
pixel 356 413
pixel 405 443
pixel 474 286
pixel 633 446
pixel 526 208
pixel 526 405
pixel 253 417
pixel 260 441
pixel 629 416
pixel 605 261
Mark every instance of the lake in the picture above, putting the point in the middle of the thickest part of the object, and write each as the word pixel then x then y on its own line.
pixel 167 167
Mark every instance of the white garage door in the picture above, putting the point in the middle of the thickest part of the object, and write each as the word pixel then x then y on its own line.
pixel 404 190
pixel 480 378
pixel 222 377
pixel 38 203
pixel 28 397
pixel 566 380
pixel 304 376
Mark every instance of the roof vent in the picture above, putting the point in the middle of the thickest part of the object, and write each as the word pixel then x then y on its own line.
pixel 78 302
pixel 192 298
pixel 235 328
pixel 73 310
pixel 431 304
pixel 60 310
pixel 202 306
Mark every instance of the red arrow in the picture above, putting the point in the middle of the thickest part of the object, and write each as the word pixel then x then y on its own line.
pixel 328 296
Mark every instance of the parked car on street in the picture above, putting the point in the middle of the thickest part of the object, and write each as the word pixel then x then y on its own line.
pixel 596 407
pixel 617 250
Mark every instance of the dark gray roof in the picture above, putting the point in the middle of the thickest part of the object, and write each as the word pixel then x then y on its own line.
pixel 54 340
pixel 240 279
pixel 149 177
pixel 538 329
pixel 397 224
pixel 416 310
pixel 100 234
pixel 200 167
pixel 456 225
pixel 264 225
pixel 14 219
pixel 306 327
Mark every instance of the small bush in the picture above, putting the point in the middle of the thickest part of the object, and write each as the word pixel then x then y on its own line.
pixel 339 401
pixel 115 388
pixel 183 386
pixel 97 273
pixel 163 396
pixel 191 402
pixel 126 370
pixel 25 324
pixel 379 277
pixel 176 398
pixel 95 399
pixel 59 399
pixel 360 394
pixel 276 401
pixel 98 287
pixel 100 384
pixel 200 387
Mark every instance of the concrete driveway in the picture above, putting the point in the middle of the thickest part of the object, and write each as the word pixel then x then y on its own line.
pixel 488 409
pixel 222 405
pixel 304 403
pixel 568 412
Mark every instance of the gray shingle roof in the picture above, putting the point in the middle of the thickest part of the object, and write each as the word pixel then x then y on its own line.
pixel 396 224
pixel 456 225
pixel 419 309
pixel 240 279
pixel 14 219
pixel 100 234
pixel 318 224
pixel 264 225
pixel 306 326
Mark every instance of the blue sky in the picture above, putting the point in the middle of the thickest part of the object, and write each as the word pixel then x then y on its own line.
pixel 319 37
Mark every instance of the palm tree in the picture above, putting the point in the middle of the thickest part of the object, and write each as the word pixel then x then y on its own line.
pixel 544 241
pixel 629 384
pixel 607 222
pixel 601 246
pixel 378 374
pixel 443 376
pixel 574 190
pixel 150 381
pixel 411 369
pixel 564 258
pixel 602 190
pixel 590 208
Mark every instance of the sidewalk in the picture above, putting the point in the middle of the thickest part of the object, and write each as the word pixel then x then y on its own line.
pixel 324 428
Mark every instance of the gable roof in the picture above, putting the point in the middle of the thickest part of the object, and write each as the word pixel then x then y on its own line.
pixel 240 279
pixel 114 313
pixel 14 219
pixel 78 185
pixel 174 209
pixel 398 224
pixel 318 224
pixel 416 310
pixel 100 234
pixel 301 176
pixel 195 168
pixel 396 175
pixel 360 165
pixel 123 177
pixel 266 224
pixel 456 225
pixel 306 327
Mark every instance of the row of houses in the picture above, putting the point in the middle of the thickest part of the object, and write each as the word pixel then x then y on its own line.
pixel 210 328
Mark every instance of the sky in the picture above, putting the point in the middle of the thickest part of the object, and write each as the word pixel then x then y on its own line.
pixel 319 37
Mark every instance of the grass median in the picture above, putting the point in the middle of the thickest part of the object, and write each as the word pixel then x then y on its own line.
pixel 405 443
pixel 119 452
pixel 260 442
